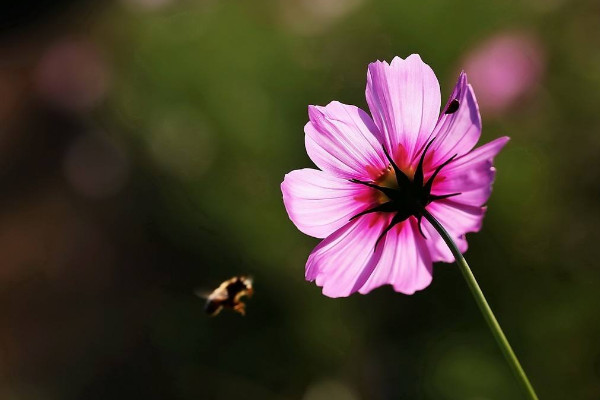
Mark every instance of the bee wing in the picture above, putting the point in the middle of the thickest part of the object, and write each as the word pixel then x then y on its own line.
pixel 219 294
pixel 202 293
pixel 213 302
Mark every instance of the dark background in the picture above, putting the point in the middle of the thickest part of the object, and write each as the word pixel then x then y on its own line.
pixel 142 144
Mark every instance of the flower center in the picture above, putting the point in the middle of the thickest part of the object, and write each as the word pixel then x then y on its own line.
pixel 401 195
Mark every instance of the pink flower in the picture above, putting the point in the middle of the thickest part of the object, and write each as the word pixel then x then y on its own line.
pixel 377 174
pixel 73 75
pixel 504 69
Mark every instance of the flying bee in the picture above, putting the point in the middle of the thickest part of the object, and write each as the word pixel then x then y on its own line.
pixel 229 294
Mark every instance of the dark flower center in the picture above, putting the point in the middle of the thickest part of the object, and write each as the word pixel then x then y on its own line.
pixel 409 197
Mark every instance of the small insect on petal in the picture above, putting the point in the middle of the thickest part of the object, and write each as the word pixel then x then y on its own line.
pixel 452 107
pixel 229 295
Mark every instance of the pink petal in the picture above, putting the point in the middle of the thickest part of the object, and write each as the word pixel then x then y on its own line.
pixel 405 261
pixel 457 221
pixel 346 262
pixel 456 217
pixel 343 140
pixel 437 247
pixel 340 262
pixel 471 175
pixel 404 99
pixel 319 203
pixel 458 132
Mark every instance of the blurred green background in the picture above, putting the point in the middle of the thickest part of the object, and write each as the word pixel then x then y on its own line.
pixel 142 144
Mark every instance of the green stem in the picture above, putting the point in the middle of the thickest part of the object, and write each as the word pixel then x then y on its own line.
pixel 484 307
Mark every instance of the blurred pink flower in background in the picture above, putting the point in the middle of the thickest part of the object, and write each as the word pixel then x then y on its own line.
pixel 72 74
pixel 505 68
pixel 380 173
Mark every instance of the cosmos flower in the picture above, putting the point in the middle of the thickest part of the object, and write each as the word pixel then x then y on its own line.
pixel 377 173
